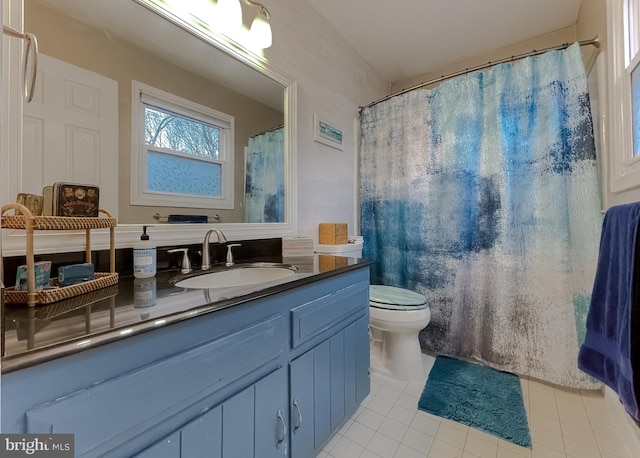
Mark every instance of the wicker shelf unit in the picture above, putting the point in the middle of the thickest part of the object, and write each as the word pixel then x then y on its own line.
pixel 23 219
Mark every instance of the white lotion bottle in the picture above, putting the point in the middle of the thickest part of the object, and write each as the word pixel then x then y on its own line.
pixel 144 256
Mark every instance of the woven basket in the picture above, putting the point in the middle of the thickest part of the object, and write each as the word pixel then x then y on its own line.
pixel 50 311
pixel 51 223
pixel 101 280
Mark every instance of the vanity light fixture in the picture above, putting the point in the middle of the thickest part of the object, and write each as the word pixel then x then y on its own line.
pixel 230 13
pixel 224 17
pixel 260 28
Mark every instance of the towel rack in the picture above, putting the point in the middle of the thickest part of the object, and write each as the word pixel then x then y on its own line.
pixel 32 49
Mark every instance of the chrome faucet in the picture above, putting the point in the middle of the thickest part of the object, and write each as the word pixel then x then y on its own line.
pixel 206 258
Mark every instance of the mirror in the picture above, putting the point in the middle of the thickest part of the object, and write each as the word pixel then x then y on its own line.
pixel 124 42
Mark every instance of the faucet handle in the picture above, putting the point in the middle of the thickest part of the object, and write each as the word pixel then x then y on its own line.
pixel 230 260
pixel 186 264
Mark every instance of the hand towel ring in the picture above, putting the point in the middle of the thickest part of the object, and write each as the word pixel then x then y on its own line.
pixel 32 49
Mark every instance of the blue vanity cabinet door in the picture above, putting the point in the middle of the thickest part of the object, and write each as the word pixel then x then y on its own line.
pixel 328 383
pixel 168 447
pixel 272 415
pixel 301 406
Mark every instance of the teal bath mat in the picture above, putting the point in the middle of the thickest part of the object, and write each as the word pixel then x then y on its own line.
pixel 478 396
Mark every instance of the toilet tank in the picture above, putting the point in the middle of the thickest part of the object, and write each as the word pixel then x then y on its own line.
pixel 349 250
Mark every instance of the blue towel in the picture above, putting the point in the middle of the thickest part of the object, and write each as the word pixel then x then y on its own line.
pixel 610 348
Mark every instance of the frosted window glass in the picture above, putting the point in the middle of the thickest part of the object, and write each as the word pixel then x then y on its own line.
pixel 183 175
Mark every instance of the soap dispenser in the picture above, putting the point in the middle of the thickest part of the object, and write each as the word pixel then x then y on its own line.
pixel 144 256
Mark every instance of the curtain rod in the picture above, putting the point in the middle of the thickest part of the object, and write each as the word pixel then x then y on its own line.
pixel 268 130
pixel 593 42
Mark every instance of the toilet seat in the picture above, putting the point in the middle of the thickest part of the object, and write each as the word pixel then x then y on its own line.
pixel 392 298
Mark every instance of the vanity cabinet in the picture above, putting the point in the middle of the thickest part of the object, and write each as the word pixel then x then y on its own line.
pixel 269 377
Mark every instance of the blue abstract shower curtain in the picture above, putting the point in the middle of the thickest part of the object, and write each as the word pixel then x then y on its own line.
pixel 264 179
pixel 482 194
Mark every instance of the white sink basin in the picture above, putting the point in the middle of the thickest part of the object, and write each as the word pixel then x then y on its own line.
pixel 236 277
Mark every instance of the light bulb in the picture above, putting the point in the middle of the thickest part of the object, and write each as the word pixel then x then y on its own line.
pixel 261 32
pixel 229 13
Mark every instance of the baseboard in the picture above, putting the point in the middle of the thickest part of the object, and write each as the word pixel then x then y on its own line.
pixel 627 427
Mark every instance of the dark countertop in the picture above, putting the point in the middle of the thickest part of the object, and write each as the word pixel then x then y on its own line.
pixel 45 332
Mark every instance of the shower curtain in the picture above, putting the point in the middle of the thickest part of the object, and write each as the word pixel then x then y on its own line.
pixel 264 178
pixel 482 194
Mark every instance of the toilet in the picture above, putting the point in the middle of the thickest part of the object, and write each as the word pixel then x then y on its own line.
pixel 396 318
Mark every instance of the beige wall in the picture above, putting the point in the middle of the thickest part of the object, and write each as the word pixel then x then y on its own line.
pixel 92 49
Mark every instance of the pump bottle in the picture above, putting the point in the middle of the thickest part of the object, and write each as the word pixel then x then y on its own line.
pixel 144 256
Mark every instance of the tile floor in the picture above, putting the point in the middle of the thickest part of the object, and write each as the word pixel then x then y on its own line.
pixel 563 423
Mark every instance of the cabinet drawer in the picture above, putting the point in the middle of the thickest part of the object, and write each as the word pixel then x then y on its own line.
pixel 109 414
pixel 319 315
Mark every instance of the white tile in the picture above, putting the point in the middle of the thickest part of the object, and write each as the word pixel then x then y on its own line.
pixel 507 450
pixel 393 429
pixel 346 426
pixel 537 409
pixel 382 406
pixel 466 454
pixel 332 442
pixel 481 447
pixel 580 449
pixel 407 401
pixel 359 433
pixel 441 449
pixel 402 414
pixel 370 418
pixel 426 423
pixel 414 389
pixel 456 425
pixel 322 454
pixel 451 435
pixel 388 394
pixel 547 438
pixel 396 385
pixel 540 451
pixel 376 377
pixel 369 454
pixel 574 420
pixel 543 398
pixel 612 446
pixel 407 452
pixel 382 445
pixel 483 435
pixel 578 433
pixel 375 387
pixel 541 422
pixel 536 385
pixel 358 411
pixel 418 440
pixel 346 448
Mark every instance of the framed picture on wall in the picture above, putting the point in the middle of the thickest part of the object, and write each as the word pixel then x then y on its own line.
pixel 325 133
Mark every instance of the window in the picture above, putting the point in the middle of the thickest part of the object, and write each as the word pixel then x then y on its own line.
pixel 182 152
pixel 623 21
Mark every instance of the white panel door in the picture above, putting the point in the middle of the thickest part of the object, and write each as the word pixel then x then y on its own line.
pixel 70 131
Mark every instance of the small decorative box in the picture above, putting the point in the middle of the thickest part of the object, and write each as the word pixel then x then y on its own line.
pixel 42 275
pixel 333 233
pixel 75 273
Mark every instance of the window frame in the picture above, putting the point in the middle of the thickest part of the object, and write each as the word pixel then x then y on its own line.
pixel 624 166
pixel 142 94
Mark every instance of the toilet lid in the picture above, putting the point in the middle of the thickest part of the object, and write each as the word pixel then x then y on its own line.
pixel 392 298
